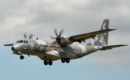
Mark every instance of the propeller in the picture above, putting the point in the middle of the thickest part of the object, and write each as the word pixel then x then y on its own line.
pixel 29 37
pixel 25 35
pixel 58 35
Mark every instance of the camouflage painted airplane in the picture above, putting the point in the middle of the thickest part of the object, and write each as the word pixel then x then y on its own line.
pixel 64 48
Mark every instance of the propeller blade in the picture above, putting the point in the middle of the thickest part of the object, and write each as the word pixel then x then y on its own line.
pixel 25 35
pixel 30 36
pixel 56 33
pixel 61 32
pixel 52 37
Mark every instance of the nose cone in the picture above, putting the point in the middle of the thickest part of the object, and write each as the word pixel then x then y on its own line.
pixel 12 48
pixel 16 47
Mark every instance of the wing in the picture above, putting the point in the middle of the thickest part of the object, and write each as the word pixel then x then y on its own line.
pixel 111 47
pixel 8 44
pixel 85 36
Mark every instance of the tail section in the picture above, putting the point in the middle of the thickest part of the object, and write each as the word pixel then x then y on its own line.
pixel 103 38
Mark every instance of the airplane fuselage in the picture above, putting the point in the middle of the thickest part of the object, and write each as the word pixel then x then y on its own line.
pixel 48 51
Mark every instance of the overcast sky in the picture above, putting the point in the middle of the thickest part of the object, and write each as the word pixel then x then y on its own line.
pixel 41 17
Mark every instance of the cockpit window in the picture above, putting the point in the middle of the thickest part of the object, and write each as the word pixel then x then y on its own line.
pixel 22 41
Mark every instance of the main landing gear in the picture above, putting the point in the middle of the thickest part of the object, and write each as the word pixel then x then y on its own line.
pixel 48 62
pixel 63 60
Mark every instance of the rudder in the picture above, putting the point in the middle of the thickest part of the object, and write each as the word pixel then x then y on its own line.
pixel 103 38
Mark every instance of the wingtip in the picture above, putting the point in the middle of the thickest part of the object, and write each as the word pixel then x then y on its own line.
pixel 112 29
pixel 124 45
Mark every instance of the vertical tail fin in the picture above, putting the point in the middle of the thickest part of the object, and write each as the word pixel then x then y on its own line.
pixel 103 38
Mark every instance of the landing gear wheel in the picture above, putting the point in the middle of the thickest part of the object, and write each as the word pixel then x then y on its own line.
pixel 45 62
pixel 67 60
pixel 21 57
pixel 50 63
pixel 63 60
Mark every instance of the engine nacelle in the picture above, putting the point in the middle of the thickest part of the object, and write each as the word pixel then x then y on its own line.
pixel 65 41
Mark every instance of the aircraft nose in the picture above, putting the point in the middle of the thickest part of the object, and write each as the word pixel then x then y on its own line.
pixel 12 48
pixel 16 47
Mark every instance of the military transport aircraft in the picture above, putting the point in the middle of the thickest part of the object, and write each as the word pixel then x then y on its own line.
pixel 64 48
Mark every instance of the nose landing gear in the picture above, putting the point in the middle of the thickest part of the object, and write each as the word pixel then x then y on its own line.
pixel 21 57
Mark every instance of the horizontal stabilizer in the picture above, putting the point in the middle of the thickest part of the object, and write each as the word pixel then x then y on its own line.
pixel 111 47
pixel 8 44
